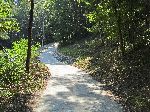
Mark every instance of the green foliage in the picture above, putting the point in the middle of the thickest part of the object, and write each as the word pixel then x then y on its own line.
pixel 124 22
pixel 7 23
pixel 21 14
pixel 120 27
pixel 12 64
pixel 68 22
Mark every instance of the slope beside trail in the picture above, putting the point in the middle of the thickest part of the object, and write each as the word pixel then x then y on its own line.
pixel 71 89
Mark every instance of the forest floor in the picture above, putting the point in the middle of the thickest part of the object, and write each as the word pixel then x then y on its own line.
pixel 71 89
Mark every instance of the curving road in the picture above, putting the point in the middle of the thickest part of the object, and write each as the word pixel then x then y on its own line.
pixel 72 90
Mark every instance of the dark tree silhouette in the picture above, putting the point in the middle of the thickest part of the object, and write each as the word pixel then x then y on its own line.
pixel 29 36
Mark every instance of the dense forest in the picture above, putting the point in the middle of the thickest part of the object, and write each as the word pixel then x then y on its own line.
pixel 110 39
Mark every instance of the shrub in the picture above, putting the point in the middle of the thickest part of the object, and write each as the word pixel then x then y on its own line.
pixel 12 67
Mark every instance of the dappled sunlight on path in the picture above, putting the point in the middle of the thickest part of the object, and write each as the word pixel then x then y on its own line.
pixel 72 90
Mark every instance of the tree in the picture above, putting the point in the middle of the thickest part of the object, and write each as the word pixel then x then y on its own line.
pixel 29 37
pixel 68 22
pixel 21 14
pixel 123 22
pixel 7 22
pixel 117 13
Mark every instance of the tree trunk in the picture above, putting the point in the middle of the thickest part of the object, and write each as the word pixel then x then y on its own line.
pixel 120 36
pixel 29 37
pixel 118 22
pixel 147 12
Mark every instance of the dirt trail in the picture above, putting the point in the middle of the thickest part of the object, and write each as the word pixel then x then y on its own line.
pixel 72 90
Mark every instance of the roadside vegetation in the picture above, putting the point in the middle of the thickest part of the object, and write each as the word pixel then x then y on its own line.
pixel 126 77
pixel 14 81
pixel 109 38
pixel 17 86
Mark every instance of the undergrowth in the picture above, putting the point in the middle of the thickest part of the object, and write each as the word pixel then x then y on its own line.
pixel 128 76
pixel 14 81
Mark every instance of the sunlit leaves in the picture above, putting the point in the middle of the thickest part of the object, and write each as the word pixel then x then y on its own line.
pixel 7 23
pixel 12 63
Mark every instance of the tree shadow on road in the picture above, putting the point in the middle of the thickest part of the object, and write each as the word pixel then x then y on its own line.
pixel 75 96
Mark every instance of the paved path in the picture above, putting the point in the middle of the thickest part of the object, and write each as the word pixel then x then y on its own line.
pixel 72 90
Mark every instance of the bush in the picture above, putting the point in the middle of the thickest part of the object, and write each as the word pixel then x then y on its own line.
pixel 12 67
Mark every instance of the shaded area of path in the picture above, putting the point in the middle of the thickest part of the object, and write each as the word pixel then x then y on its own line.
pixel 72 90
